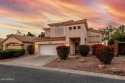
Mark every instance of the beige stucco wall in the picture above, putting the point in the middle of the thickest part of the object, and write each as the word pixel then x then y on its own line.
pixel 93 40
pixel 52 32
pixel 76 33
pixel 11 39
pixel 47 33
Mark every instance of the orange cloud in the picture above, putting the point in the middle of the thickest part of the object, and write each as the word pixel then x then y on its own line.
pixel 38 13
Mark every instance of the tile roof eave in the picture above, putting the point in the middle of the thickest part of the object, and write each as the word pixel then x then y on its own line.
pixel 50 39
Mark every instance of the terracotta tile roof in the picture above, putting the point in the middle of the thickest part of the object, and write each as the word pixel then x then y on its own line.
pixel 27 39
pixel 96 31
pixel 71 22
pixel 46 29
pixel 50 39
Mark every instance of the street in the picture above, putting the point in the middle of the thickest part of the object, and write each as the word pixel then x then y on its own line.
pixel 14 74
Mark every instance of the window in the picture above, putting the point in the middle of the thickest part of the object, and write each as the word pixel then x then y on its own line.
pixel 79 27
pixel 74 27
pixel 70 28
pixel 59 31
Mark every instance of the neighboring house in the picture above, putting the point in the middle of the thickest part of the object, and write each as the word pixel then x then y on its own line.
pixel 1 40
pixel 17 42
pixel 74 33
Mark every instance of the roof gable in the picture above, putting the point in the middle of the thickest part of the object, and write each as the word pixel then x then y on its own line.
pixel 26 39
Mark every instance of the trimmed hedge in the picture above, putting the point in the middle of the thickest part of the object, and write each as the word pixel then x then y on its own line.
pixel 84 50
pixel 63 52
pixel 12 53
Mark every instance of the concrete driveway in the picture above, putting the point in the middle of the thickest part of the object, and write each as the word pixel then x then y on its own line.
pixel 14 74
pixel 29 61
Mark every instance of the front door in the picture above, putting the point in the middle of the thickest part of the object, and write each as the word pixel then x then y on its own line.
pixel 76 48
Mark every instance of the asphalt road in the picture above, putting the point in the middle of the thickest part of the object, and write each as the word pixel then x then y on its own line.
pixel 14 74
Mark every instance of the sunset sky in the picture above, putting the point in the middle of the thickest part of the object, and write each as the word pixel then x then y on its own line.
pixel 33 15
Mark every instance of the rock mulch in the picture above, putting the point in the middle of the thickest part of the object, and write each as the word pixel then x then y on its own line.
pixel 90 64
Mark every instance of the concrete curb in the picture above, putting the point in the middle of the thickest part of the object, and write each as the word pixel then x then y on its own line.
pixel 72 71
pixel 86 73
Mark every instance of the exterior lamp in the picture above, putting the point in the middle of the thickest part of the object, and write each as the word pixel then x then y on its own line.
pixel 36 45
pixel 67 44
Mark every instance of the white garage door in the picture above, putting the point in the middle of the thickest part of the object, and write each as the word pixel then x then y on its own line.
pixel 48 50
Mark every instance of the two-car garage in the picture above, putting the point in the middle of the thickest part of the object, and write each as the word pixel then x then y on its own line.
pixel 47 46
pixel 49 50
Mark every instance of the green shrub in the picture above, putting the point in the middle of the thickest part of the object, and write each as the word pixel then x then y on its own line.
pixel 31 49
pixel 84 50
pixel 63 52
pixel 11 53
pixel 106 54
pixel 5 54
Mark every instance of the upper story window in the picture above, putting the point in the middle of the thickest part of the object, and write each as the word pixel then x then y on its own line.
pixel 70 28
pixel 59 30
pixel 79 27
pixel 74 27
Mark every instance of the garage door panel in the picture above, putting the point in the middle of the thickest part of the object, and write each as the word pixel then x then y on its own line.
pixel 48 50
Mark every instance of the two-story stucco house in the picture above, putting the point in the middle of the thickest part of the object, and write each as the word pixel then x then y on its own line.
pixel 74 33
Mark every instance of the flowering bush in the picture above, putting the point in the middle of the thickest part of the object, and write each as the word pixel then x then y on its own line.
pixel 63 52
pixel 98 49
pixel 84 50
pixel 31 49
pixel 95 47
pixel 106 54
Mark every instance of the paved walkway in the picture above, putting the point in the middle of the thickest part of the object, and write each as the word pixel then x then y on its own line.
pixel 14 74
pixel 30 60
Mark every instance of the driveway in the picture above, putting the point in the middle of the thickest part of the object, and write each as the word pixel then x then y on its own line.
pixel 14 74
pixel 29 61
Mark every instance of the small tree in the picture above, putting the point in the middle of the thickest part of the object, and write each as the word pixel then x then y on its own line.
pixel 30 34
pixel 41 35
pixel 84 50
pixel 117 36
pixel 31 49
